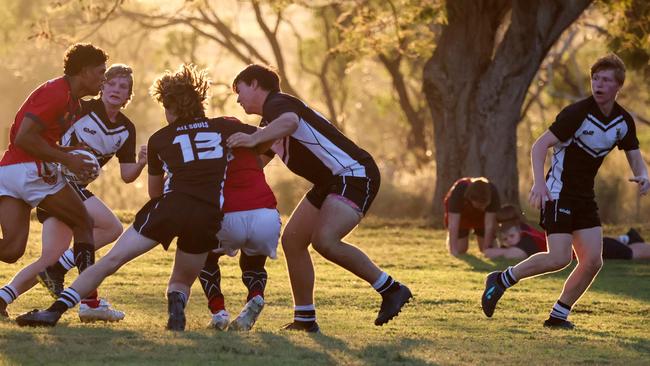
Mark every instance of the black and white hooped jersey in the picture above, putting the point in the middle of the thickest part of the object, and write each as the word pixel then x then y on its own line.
pixel 586 137
pixel 104 137
pixel 316 151
pixel 194 156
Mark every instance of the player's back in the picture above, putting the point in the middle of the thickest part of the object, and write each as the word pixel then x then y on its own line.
pixel 194 155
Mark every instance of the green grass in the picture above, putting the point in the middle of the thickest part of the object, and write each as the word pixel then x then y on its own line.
pixel 444 325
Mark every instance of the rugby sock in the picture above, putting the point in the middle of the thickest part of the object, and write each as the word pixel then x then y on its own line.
pixel 7 295
pixel 507 278
pixel 182 295
pixel 84 255
pixel 305 314
pixel 92 300
pixel 385 284
pixel 210 279
pixel 560 311
pixel 68 299
pixel 254 275
pixel 67 260
pixel 216 304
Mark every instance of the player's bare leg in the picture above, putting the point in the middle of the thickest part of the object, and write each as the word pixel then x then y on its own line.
pixel 296 238
pixel 186 269
pixel 14 220
pixel 557 257
pixel 106 229
pixel 461 246
pixel 588 244
pixel 335 221
pixel 130 245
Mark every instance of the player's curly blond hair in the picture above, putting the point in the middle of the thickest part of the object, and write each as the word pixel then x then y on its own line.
pixel 184 91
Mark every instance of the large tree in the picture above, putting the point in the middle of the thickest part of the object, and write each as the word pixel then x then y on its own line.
pixel 476 82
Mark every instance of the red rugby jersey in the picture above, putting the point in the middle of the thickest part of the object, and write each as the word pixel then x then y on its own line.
pixel 245 187
pixel 51 105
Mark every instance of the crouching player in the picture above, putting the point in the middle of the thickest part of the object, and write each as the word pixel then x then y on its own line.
pixel 188 206
pixel 251 223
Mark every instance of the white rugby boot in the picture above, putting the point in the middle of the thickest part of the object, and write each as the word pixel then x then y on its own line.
pixel 220 320
pixel 104 312
pixel 248 316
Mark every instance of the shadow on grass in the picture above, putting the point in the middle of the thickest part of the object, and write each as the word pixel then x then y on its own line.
pixel 390 353
pixel 107 345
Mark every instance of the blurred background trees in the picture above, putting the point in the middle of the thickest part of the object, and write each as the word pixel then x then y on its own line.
pixel 433 89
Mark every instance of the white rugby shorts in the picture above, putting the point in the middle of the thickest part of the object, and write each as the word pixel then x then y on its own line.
pixel 23 181
pixel 255 232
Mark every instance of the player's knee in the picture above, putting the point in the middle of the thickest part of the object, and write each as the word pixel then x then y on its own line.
pixel 558 261
pixel 323 245
pixel 593 264
pixel 289 242
pixel 11 257
pixel 13 250
pixel 116 229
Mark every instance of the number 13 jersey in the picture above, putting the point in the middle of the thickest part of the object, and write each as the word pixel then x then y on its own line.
pixel 194 156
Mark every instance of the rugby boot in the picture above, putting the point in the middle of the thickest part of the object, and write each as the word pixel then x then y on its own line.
pixel 392 303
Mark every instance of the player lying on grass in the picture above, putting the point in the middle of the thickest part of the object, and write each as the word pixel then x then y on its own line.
pixel 581 136
pixel 28 177
pixel 105 131
pixel 191 152
pixel 345 178
pixel 251 224
pixel 520 244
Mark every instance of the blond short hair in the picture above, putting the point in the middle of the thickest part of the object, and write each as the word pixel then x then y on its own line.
pixel 121 70
pixel 610 62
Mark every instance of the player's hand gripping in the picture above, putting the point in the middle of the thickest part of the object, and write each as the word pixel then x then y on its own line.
pixel 240 139
pixel 142 155
pixel 644 184
pixel 539 194
pixel 80 167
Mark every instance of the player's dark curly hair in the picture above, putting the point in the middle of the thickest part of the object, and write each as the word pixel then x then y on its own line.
pixel 80 55
pixel 184 91
pixel 266 77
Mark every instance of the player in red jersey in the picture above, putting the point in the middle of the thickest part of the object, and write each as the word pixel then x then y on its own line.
pixel 191 152
pixel 251 223
pixel 471 203
pixel 28 177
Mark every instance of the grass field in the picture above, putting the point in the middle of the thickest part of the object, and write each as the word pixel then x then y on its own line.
pixel 444 325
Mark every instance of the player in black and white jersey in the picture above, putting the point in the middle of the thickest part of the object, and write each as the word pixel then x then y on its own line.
pixel 346 180
pixel 106 131
pixel 581 136
pixel 191 152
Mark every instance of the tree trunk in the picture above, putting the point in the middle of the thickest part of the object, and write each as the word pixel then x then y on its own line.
pixel 476 82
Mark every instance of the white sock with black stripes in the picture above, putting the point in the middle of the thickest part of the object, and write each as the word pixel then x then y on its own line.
pixel 67 260
pixel 384 284
pixel 8 294
pixel 560 311
pixel 304 313
pixel 68 299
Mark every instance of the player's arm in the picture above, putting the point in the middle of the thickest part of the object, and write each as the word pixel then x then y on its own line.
pixel 29 139
pixel 453 226
pixel 639 169
pixel 284 125
pixel 156 184
pixel 490 224
pixel 510 253
pixel 539 192
pixel 131 171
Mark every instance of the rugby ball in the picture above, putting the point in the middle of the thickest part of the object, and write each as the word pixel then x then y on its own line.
pixel 87 157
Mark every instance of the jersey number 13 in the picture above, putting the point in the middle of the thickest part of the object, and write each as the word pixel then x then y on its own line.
pixel 208 142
